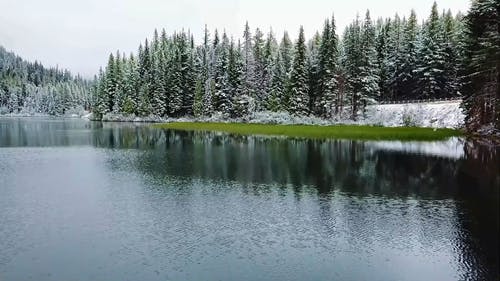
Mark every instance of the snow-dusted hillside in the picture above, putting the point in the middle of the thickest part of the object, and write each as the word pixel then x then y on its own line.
pixel 447 114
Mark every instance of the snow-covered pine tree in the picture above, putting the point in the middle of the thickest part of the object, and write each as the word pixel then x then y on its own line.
pixel 258 68
pixel 249 63
pixel 394 58
pixel 451 50
pixel 146 76
pixel 158 87
pixel 276 100
pixel 119 78
pixel 131 88
pixel 407 82
pixel 431 67
pixel 383 31
pixel 328 58
pixel 269 52
pixel 175 79
pixel 313 71
pixel 186 71
pixel 351 61
pixel 240 103
pixel 206 76
pixel 234 70
pixel 110 77
pixel 286 52
pixel 482 67
pixel 221 98
pixel 202 58
pixel 369 69
pixel 100 101
pixel 299 92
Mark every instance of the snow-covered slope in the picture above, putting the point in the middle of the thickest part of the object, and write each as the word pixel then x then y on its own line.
pixel 447 114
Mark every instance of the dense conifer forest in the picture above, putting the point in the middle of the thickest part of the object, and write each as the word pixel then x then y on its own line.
pixel 371 61
pixel 30 88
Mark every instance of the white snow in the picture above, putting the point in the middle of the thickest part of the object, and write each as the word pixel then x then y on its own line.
pixel 446 114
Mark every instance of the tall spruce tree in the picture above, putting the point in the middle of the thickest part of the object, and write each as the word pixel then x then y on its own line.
pixel 313 70
pixel 431 69
pixel 407 80
pixel 328 57
pixel 369 69
pixel 482 67
pixel 352 61
pixel 299 91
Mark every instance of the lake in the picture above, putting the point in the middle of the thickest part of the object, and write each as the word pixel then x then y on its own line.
pixel 84 200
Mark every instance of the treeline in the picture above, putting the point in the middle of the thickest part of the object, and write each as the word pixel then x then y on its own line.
pixel 391 59
pixel 31 88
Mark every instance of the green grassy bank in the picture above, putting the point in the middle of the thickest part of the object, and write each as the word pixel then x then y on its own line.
pixel 319 132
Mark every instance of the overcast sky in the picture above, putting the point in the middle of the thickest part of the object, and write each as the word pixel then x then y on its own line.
pixel 78 35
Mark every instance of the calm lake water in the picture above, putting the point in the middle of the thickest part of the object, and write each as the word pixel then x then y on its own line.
pixel 91 201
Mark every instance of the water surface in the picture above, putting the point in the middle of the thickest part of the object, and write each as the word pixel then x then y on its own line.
pixel 100 201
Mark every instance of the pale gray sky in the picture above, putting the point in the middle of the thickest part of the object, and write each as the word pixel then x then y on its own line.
pixel 79 35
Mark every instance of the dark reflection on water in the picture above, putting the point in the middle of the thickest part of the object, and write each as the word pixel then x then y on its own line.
pixel 126 202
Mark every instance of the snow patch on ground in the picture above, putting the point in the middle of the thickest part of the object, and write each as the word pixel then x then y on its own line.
pixel 435 115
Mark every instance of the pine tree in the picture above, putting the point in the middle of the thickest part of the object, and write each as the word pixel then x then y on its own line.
pixel 158 87
pixel 145 67
pixel 407 81
pixel 187 72
pixel 100 102
pixel 286 52
pixel 242 104
pixel 118 98
pixel 221 99
pixel 234 70
pixel 131 88
pixel 394 59
pixel 249 63
pixel 432 80
pixel 175 83
pixel 269 52
pixel 110 85
pixel 482 67
pixel 328 57
pixel 369 69
pixel 451 50
pixel 207 62
pixel 384 29
pixel 299 98
pixel 259 82
pixel 313 70
pixel 276 100
pixel 352 60
pixel 198 99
